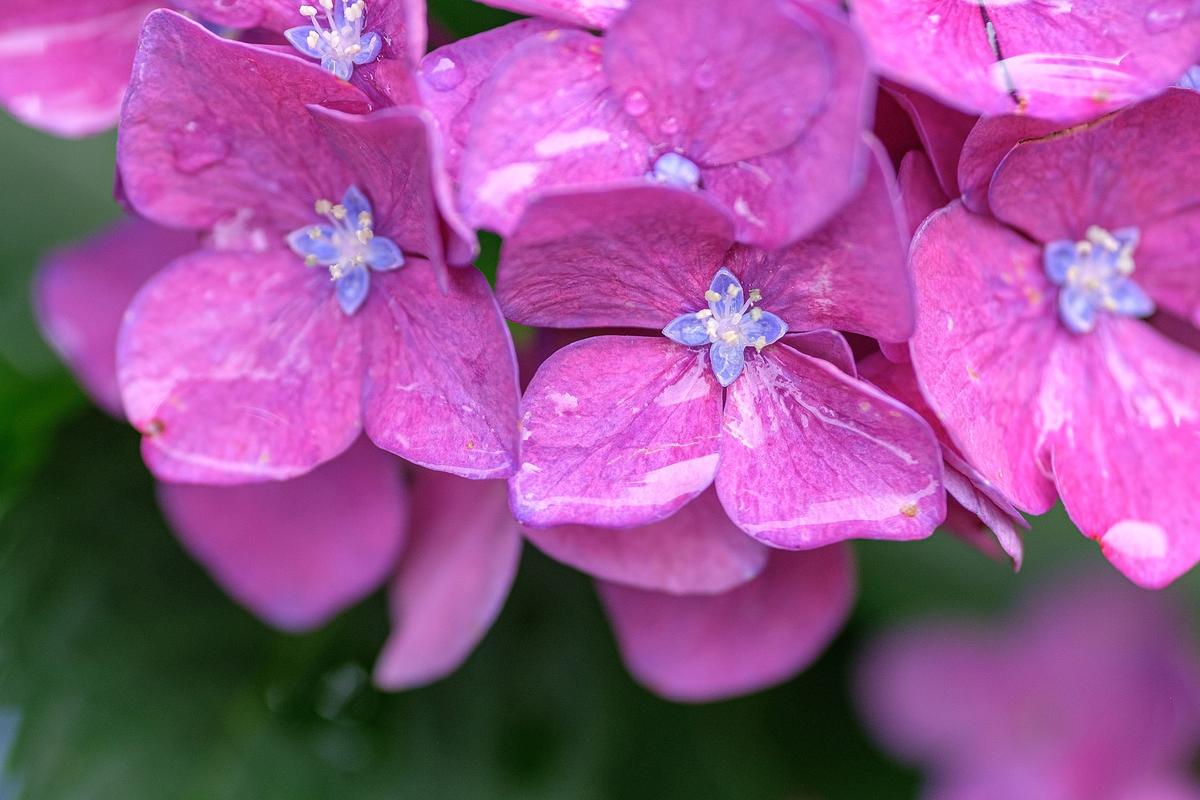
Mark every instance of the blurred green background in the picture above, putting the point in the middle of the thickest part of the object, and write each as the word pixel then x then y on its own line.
pixel 125 673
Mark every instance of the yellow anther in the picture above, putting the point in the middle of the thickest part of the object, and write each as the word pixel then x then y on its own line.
pixel 364 235
pixel 307 11
pixel 323 207
pixel 1083 248
pixel 711 296
pixel 1125 262
pixel 314 232
pixel 364 218
pixel 1102 238
pixel 756 314
pixel 755 296
pixel 327 5
pixel 310 261
pixel 704 313
pixel 760 343
pixel 313 39
pixel 733 290
pixel 338 211
pixel 730 337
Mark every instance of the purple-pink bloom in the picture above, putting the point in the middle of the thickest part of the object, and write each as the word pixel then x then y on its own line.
pixel 1031 346
pixel 297 552
pixel 625 430
pixel 243 360
pixel 1061 61
pixel 751 102
pixel 1092 692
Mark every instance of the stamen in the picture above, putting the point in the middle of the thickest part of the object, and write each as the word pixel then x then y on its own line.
pixel 711 296
pixel 339 43
pixel 755 296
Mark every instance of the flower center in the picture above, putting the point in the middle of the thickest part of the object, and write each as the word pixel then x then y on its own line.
pixel 347 246
pixel 676 170
pixel 340 43
pixel 731 323
pixel 1095 276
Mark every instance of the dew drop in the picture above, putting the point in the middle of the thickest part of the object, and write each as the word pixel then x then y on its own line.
pixel 636 103
pixel 1166 16
pixel 197 147
pixel 706 76
pixel 669 125
pixel 445 74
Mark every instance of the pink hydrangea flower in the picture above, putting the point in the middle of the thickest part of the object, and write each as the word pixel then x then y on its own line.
pixel 244 360
pixel 1031 345
pixel 625 430
pixel 297 552
pixel 1060 61
pixel 1092 692
pixel 751 102
pixel 64 67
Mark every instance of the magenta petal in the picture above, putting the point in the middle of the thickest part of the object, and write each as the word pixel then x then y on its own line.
pixel 920 190
pixel 986 330
pixel 942 129
pixel 451 78
pixel 718 80
pixel 390 155
pixel 81 294
pixel 1167 275
pixel 586 13
pixel 986 146
pixel 630 256
pixel 771 195
pixel 547 118
pixel 452 582
pixel 851 275
pixel 700 648
pixel 214 129
pixel 1128 454
pixel 811 456
pixel 274 14
pixel 297 552
pixel 825 344
pixel 617 431
pixel 696 550
pixel 64 66
pixel 1129 169
pixel 441 386
pixel 239 367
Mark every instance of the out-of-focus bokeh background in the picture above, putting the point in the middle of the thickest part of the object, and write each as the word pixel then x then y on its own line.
pixel 126 673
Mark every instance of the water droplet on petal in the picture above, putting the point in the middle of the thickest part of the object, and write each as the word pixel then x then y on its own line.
pixel 445 74
pixel 1166 16
pixel 706 76
pixel 197 147
pixel 669 125
pixel 636 103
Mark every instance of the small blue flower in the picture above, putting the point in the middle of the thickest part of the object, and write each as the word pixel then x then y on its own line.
pixel 731 323
pixel 1096 275
pixel 347 247
pixel 342 45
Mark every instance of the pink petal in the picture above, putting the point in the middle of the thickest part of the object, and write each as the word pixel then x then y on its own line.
pixel 616 431
pixel 1128 453
pixel 441 384
pixel 850 276
pixel 771 195
pixel 697 550
pixel 1125 170
pixel 811 456
pixel 547 118
pixel 64 67
pixel 827 345
pixel 82 292
pixel 696 649
pixel 630 256
pixel 718 80
pixel 986 146
pixel 274 14
pixel 390 155
pixel 942 129
pixel 919 189
pixel 451 78
pixel 453 580
pixel 197 148
pixel 259 381
pixel 585 13
pixel 987 326
pixel 1164 271
pixel 1068 65
pixel 297 552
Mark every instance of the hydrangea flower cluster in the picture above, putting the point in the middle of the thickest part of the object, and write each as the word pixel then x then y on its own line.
pixel 751 343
